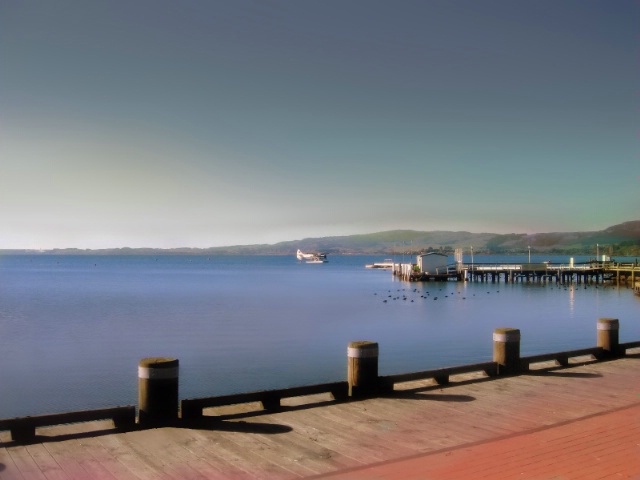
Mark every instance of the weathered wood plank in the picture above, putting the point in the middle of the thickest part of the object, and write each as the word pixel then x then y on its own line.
pixel 74 462
pixel 92 446
pixel 506 396
pixel 336 443
pixel 164 450
pixel 322 426
pixel 25 463
pixel 372 429
pixel 296 452
pixel 521 397
pixel 46 463
pixel 200 450
pixel 8 468
pixel 239 451
pixel 139 462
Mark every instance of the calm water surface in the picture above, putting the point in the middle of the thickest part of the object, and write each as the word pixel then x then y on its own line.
pixel 73 328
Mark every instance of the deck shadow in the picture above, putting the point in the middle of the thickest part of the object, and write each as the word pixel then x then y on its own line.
pixel 557 373
pixel 206 423
pixel 65 436
pixel 434 397
pixel 218 424
pixel 261 412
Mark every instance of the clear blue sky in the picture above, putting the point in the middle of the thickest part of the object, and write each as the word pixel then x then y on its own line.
pixel 206 123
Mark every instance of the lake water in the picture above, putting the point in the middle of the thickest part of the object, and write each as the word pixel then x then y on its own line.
pixel 73 328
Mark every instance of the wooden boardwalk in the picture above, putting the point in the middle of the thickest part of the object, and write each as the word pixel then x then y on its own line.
pixel 584 418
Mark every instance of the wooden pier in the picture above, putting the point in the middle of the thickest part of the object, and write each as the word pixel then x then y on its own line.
pixel 595 272
pixel 572 415
pixel 547 413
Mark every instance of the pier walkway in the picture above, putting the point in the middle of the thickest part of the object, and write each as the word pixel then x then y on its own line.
pixel 575 422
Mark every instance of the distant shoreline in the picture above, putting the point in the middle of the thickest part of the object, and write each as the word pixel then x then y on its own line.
pixel 619 240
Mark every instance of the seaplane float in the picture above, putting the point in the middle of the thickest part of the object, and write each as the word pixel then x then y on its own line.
pixel 311 257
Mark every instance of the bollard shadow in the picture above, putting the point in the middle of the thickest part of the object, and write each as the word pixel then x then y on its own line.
pixel 434 397
pixel 218 424
pixel 562 374
pixel 2 467
pixel 563 371
pixel 443 386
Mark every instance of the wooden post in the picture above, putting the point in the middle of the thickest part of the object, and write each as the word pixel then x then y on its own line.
pixel 362 371
pixel 506 350
pixel 157 390
pixel 608 336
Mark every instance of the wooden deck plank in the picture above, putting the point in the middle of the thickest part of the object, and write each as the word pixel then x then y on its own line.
pixel 101 454
pixel 321 425
pixel 425 424
pixel 291 451
pixel 334 441
pixel 418 420
pixel 300 448
pixel 519 400
pixel 522 398
pixel 163 448
pixel 204 445
pixel 140 463
pixel 75 462
pixel 265 450
pixel 355 419
pixel 583 389
pixel 8 468
pixel 25 463
pixel 46 463
pixel 178 441
pixel 185 443
pixel 241 452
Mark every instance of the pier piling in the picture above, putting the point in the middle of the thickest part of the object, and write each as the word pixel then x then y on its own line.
pixel 506 350
pixel 157 391
pixel 608 336
pixel 362 371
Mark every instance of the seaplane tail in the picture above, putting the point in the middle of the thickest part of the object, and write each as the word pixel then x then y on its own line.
pixel 304 256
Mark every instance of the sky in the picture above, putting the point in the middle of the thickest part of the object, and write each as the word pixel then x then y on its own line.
pixel 193 123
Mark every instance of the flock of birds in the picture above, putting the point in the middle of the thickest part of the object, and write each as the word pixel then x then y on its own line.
pixel 425 294
pixel 410 295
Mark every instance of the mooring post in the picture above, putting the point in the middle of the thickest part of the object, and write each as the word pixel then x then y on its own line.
pixel 608 336
pixel 506 350
pixel 157 391
pixel 362 370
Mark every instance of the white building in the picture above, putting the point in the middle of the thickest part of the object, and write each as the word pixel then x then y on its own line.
pixel 432 263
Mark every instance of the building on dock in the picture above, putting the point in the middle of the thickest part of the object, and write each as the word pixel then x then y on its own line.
pixel 432 263
pixel 428 267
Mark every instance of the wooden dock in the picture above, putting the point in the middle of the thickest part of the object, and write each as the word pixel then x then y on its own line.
pixel 378 437
pixel 595 272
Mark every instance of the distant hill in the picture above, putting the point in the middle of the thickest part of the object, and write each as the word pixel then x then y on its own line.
pixel 623 239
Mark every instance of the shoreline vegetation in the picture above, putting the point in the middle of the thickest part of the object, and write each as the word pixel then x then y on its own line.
pixel 620 240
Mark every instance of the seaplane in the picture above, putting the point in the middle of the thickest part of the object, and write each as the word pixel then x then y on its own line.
pixel 311 257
